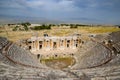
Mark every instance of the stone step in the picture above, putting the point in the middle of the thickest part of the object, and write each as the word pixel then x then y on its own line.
pixel 68 79
pixel 113 77
pixel 98 78
pixel 50 79
pixel 114 73
pixel 32 77
pixel 117 47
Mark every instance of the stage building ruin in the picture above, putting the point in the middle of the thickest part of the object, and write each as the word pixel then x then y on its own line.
pixel 50 43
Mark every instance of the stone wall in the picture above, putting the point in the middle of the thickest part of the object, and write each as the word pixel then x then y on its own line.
pixel 51 43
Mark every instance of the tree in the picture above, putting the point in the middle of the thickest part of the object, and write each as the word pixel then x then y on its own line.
pixel 25 25
pixel 42 27
pixel 15 28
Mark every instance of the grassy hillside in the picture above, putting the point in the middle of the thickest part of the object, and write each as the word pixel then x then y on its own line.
pixel 16 35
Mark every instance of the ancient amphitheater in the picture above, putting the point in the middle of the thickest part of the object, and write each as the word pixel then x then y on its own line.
pixel 97 59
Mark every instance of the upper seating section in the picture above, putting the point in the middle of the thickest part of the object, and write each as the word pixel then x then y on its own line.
pixel 3 42
pixel 20 55
pixel 15 54
pixel 95 56
pixel 117 46
pixel 115 36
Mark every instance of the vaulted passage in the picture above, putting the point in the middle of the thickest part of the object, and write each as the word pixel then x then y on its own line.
pixel 54 45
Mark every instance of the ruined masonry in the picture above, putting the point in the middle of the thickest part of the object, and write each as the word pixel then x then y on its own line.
pixel 51 43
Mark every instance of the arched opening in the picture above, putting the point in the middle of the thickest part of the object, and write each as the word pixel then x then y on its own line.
pixel 54 44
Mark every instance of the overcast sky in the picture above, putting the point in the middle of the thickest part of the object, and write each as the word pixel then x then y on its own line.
pixel 76 11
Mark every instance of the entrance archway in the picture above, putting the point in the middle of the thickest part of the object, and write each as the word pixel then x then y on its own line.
pixel 54 44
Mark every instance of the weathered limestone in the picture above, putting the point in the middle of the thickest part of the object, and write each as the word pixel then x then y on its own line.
pixel 18 64
pixel 114 36
pixel 50 43
pixel 96 54
pixel 95 61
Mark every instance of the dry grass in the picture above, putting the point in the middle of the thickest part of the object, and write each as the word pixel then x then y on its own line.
pixel 59 63
pixel 14 36
pixel 100 29
pixel 17 35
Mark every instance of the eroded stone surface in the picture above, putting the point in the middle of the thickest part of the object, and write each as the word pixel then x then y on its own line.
pixel 95 61
pixel 18 64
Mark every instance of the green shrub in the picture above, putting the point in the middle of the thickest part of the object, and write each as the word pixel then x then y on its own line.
pixel 41 27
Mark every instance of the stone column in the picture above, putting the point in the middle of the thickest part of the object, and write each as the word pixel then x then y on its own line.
pixel 51 44
pixel 58 44
pixel 38 44
pixel 71 43
pixel 74 43
pixel 44 44
pixel 65 43
pixel 48 45
pixel 47 42
pixel 32 45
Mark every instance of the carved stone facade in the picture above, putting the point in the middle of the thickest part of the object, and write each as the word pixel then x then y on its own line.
pixel 51 43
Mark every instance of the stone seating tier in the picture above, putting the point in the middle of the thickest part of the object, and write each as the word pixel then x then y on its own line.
pixel 93 57
pixel 117 46
pixel 20 55
pixel 3 42
pixel 115 36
